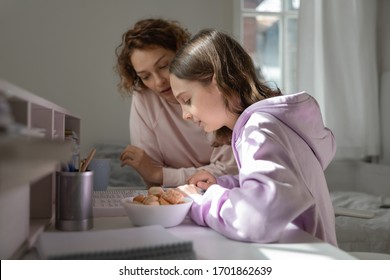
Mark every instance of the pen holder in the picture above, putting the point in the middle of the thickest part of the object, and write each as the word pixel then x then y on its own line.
pixel 74 201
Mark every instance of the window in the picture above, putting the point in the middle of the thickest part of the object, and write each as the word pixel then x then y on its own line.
pixel 269 34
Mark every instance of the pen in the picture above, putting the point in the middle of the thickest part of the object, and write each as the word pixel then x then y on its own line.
pixel 71 167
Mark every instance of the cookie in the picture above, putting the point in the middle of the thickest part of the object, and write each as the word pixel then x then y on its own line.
pixel 163 201
pixel 150 200
pixel 155 191
pixel 172 196
pixel 139 198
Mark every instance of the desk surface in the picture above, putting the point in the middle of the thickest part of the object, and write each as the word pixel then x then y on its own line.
pixel 208 244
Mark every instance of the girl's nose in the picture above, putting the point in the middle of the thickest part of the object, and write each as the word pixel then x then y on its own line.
pixel 187 115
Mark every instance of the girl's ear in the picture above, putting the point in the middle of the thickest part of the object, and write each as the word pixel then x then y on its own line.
pixel 214 82
pixel 214 85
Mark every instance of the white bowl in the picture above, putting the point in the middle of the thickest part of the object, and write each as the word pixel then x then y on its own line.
pixel 164 215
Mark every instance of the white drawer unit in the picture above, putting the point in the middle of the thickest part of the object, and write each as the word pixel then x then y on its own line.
pixel 29 158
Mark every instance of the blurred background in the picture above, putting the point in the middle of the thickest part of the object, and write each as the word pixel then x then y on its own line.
pixel 338 51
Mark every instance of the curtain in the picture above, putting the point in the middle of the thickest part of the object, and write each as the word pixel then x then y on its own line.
pixel 337 65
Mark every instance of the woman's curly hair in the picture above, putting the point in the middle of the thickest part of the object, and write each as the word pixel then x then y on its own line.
pixel 147 33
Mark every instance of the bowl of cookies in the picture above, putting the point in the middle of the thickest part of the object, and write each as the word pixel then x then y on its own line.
pixel 165 207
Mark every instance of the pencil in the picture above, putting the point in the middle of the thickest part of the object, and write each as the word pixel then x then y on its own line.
pixel 88 160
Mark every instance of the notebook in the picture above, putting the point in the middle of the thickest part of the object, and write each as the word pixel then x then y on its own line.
pixel 137 243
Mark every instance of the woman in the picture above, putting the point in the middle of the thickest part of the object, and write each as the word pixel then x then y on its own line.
pixel 164 150
pixel 280 143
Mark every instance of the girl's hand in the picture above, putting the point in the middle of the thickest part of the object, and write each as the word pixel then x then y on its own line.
pixel 202 179
pixel 190 190
pixel 143 164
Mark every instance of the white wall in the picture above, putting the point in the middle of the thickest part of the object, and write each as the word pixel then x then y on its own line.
pixel 384 71
pixel 63 50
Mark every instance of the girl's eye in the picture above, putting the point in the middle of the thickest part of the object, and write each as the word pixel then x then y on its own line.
pixel 144 78
pixel 188 101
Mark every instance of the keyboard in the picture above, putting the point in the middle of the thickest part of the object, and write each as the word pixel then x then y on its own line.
pixel 108 203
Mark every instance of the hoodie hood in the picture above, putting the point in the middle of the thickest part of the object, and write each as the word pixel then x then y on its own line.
pixel 301 113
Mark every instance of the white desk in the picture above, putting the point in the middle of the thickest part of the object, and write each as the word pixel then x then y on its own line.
pixel 208 244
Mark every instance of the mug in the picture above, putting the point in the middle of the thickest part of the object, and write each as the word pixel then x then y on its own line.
pixel 101 173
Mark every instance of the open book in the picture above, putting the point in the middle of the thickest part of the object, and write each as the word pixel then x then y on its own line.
pixel 142 243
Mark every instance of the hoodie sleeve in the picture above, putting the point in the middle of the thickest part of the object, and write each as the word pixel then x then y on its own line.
pixel 271 193
pixel 221 162
pixel 228 181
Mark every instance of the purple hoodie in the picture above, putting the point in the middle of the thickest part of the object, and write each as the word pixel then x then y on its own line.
pixel 282 149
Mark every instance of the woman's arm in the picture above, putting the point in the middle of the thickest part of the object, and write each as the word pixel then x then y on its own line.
pixel 143 153
pixel 142 128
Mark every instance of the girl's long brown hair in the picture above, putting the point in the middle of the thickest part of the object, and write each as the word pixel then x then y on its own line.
pixel 211 53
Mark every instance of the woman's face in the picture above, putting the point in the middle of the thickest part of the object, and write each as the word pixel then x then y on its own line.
pixel 203 105
pixel 152 67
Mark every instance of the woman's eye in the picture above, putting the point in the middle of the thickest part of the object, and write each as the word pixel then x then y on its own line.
pixel 188 101
pixel 144 78
pixel 164 66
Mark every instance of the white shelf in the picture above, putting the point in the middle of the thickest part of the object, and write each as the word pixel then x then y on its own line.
pixel 28 165
pixel 24 160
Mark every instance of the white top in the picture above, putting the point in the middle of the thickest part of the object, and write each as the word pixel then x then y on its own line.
pixel 181 147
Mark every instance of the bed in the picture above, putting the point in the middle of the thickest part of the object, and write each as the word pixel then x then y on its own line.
pixel 364 187
pixel 363 234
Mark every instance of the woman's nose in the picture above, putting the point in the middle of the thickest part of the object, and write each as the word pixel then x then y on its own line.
pixel 160 80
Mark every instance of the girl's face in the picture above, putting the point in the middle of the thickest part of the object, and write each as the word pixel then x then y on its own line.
pixel 202 104
pixel 152 67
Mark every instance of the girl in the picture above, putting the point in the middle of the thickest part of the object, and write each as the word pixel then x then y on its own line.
pixel 164 149
pixel 279 141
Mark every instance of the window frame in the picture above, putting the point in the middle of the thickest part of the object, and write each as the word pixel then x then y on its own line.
pixel 287 85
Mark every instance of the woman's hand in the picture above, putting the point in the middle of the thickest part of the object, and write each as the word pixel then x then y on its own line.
pixel 143 164
pixel 202 179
